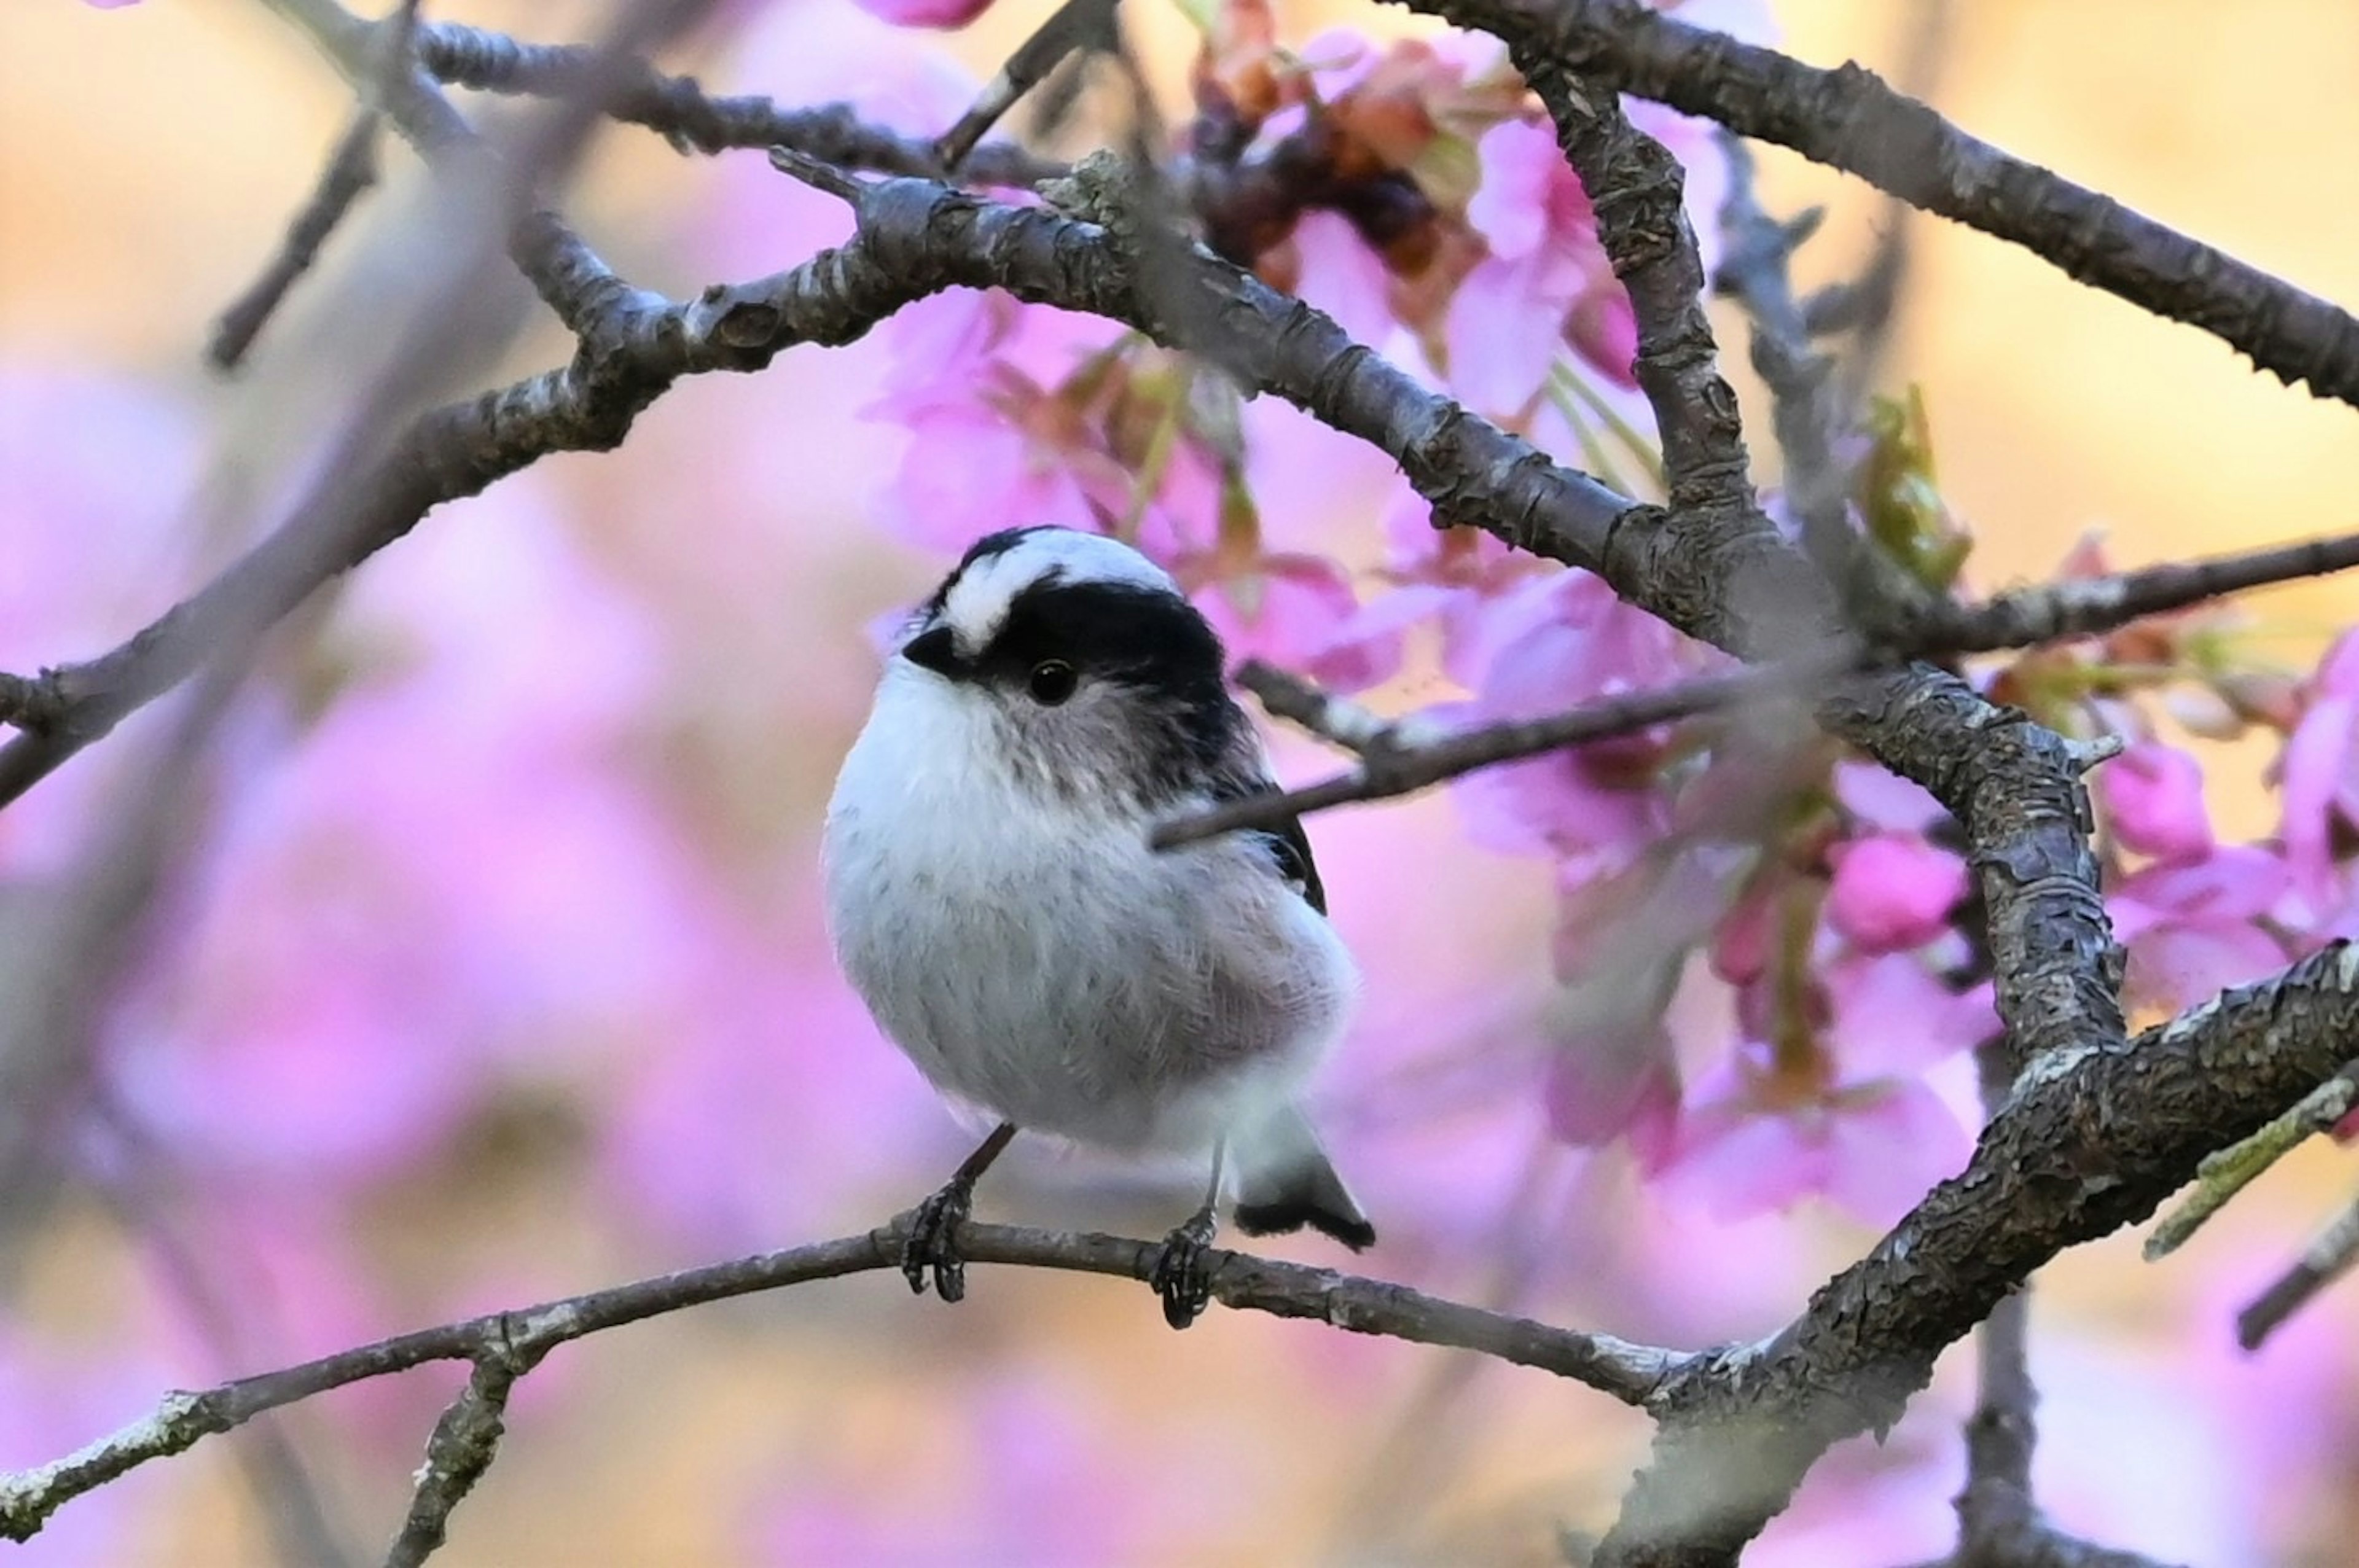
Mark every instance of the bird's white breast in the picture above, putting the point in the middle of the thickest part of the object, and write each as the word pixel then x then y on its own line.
pixel 1035 959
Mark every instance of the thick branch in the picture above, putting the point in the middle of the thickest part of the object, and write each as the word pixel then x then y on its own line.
pixel 31 702
pixel 516 1340
pixel 2013 785
pixel 2091 1142
pixel 1849 119
pixel 461 448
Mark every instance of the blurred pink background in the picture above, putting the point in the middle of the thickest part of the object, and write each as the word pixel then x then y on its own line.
pixel 498 974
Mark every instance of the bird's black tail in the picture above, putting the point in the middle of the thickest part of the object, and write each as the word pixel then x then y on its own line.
pixel 1284 1182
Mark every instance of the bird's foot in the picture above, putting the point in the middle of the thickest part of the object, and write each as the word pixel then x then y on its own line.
pixel 1180 1275
pixel 932 1242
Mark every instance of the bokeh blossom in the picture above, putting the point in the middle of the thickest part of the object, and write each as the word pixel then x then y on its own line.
pixel 504 866
pixel 926 13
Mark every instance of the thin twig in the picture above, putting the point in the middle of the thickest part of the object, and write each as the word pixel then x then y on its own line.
pixel 2329 1258
pixel 1755 271
pixel 1339 720
pixel 695 121
pixel 351 170
pixel 2225 1175
pixel 1626 1371
pixel 465 1440
pixel 561 267
pixel 1083 26
pixel 1398 768
pixel 2079 607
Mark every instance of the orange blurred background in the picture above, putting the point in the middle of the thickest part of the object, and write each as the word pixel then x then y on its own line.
pixel 148 161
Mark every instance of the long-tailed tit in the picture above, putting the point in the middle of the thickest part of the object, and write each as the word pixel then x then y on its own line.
pixel 992 895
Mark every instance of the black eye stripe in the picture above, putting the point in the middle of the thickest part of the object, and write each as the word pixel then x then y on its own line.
pixel 1148 645
pixel 1119 631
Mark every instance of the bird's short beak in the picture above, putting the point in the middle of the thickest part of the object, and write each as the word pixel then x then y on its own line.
pixel 933 650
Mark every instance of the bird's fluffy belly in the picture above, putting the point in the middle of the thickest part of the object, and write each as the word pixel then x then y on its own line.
pixel 1064 977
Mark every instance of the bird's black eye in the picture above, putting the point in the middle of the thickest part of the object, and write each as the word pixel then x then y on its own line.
pixel 1053 680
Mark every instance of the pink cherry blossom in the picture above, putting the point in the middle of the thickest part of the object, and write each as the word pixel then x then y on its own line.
pixel 1609 1083
pixel 1335 271
pixel 1892 1017
pixel 971 468
pixel 2153 796
pixel 1564 639
pixel 2320 772
pixel 1892 890
pixel 1852 1118
pixel 1547 268
pixel 1456 576
pixel 1546 265
pixel 1883 800
pixel 926 13
pixel 1873 1148
pixel 1298 611
pixel 2193 928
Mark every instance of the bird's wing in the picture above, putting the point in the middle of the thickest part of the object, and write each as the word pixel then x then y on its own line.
pixel 1289 845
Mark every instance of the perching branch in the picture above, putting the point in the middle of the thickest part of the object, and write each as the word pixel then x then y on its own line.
pixel 512 1342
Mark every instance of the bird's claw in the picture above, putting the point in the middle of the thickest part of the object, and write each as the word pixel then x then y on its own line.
pixel 1181 1276
pixel 932 1243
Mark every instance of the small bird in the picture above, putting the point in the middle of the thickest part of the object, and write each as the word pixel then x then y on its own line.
pixel 994 898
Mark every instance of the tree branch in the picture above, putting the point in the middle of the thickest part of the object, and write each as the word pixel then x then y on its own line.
pixel 516 1340
pixel 1392 766
pixel 2000 1524
pixel 2328 1258
pixel 351 170
pixel 31 702
pixel 2090 1142
pixel 2225 1175
pixel 2079 607
pixel 465 1440
pixel 1848 119
pixel 2013 785
pixel 692 120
